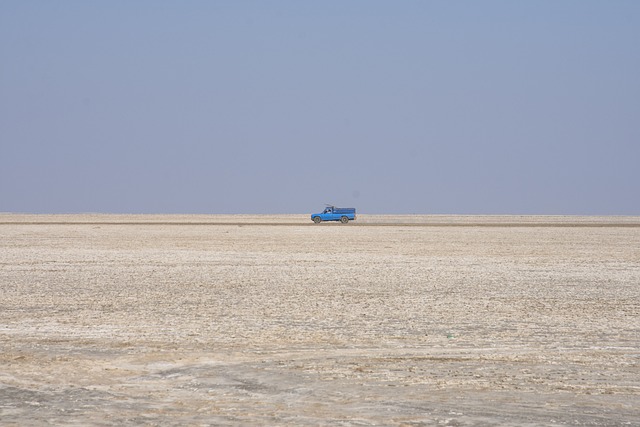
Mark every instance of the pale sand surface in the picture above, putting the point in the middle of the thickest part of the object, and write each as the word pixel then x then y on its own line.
pixel 227 320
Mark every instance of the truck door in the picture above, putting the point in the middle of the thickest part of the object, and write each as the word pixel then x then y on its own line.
pixel 330 215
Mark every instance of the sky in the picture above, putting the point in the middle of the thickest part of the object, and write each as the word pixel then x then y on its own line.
pixel 396 107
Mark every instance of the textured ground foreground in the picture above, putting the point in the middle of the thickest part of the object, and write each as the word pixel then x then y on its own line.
pixel 239 320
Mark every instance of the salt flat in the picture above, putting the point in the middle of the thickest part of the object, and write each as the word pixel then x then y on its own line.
pixel 390 320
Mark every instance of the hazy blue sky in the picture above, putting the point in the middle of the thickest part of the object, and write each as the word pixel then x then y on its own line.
pixel 469 107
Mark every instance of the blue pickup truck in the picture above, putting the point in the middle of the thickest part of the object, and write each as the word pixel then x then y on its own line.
pixel 331 213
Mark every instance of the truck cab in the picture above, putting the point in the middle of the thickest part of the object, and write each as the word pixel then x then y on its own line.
pixel 331 213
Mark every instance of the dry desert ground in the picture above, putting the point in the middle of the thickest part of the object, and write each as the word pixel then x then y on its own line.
pixel 113 320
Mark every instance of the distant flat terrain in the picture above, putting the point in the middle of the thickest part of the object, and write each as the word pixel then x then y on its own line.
pixel 273 320
pixel 362 220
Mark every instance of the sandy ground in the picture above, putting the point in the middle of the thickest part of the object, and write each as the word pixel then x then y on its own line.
pixel 272 320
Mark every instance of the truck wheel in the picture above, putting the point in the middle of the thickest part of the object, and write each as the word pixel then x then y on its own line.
pixel 344 220
pixel 317 220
